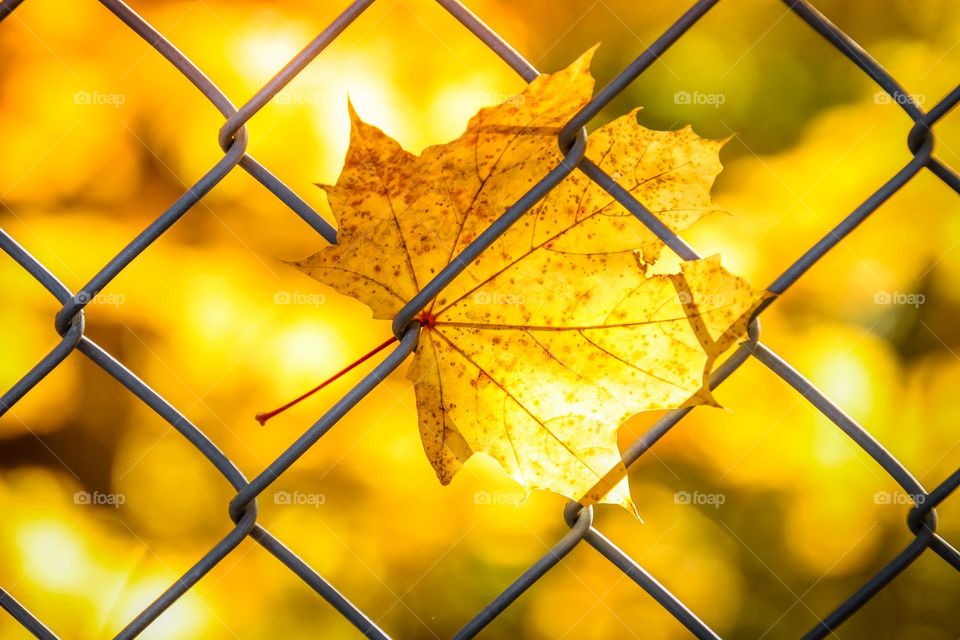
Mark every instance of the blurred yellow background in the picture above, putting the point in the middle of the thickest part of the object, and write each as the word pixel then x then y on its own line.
pixel 806 516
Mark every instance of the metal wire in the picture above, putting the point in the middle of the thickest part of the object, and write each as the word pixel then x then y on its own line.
pixel 921 518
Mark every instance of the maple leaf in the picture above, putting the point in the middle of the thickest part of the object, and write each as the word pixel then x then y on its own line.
pixel 557 333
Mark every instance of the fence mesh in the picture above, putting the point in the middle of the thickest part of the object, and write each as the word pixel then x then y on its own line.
pixel 921 518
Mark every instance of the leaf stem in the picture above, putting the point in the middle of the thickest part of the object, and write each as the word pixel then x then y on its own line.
pixel 264 416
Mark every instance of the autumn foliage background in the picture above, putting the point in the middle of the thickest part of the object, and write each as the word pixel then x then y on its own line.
pixel 211 319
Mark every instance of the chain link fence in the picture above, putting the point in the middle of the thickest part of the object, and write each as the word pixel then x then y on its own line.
pixel 921 518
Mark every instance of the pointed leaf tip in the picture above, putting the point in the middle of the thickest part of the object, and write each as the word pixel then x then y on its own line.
pixel 587 56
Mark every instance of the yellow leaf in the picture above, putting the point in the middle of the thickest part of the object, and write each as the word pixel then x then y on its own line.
pixel 556 333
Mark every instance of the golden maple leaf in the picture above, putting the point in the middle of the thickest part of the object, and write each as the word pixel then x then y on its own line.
pixel 555 334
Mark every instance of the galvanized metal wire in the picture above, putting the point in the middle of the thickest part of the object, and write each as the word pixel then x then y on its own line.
pixel 69 322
